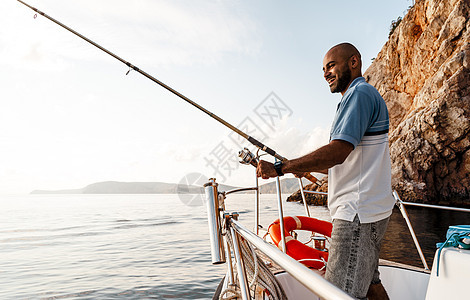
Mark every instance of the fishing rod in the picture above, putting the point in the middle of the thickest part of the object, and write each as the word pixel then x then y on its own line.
pixel 250 139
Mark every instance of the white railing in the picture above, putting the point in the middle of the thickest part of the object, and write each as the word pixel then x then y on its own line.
pixel 401 205
pixel 311 280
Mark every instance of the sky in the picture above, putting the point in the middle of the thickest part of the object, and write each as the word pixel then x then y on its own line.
pixel 70 116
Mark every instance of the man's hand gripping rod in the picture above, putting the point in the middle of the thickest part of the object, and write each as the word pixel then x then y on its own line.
pixel 249 158
pixel 252 140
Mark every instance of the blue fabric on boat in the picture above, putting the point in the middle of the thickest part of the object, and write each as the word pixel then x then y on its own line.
pixel 457 236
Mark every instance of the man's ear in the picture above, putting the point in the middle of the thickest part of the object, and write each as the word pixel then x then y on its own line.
pixel 354 62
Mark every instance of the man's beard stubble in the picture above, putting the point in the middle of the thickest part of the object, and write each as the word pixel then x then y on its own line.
pixel 343 80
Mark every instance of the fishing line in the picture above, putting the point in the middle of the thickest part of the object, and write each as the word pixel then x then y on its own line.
pixel 250 139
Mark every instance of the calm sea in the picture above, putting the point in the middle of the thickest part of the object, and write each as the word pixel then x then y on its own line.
pixel 139 246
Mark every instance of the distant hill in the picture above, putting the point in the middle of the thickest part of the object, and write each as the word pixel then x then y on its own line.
pixel 288 185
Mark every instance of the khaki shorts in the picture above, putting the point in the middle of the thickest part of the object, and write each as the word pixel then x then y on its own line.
pixel 354 255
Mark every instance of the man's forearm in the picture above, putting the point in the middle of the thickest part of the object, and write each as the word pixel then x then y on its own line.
pixel 321 159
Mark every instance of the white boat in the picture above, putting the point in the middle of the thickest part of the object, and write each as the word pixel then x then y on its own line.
pixel 257 269
pixel 295 281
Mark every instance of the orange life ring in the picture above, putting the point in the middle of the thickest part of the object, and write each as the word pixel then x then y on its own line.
pixel 308 256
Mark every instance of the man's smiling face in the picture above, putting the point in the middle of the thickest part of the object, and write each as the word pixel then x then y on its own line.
pixel 336 71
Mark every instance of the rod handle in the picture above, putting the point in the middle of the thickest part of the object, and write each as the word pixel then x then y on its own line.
pixel 312 178
pixel 264 147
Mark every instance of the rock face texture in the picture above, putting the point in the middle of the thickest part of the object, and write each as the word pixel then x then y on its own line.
pixel 423 73
pixel 310 198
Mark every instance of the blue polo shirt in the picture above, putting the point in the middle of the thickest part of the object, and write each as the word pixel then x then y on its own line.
pixel 362 111
pixel 361 185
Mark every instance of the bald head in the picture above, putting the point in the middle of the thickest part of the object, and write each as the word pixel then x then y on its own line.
pixel 341 65
pixel 345 51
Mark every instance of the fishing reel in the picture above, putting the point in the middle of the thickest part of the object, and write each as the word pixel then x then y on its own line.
pixel 248 158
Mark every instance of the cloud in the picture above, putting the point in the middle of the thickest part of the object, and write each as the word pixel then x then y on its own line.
pixel 153 32
pixel 186 32
pixel 183 155
pixel 293 138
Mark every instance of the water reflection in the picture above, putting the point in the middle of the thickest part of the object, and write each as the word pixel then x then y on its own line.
pixel 430 226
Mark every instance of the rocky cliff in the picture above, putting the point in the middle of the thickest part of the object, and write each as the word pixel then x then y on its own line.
pixel 423 73
pixel 310 198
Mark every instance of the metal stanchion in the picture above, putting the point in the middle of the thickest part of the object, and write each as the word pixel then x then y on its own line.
pixel 244 287
pixel 408 223
pixel 281 214
pixel 214 222
pixel 301 186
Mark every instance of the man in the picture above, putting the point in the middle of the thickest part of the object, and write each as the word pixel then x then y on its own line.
pixel 357 161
